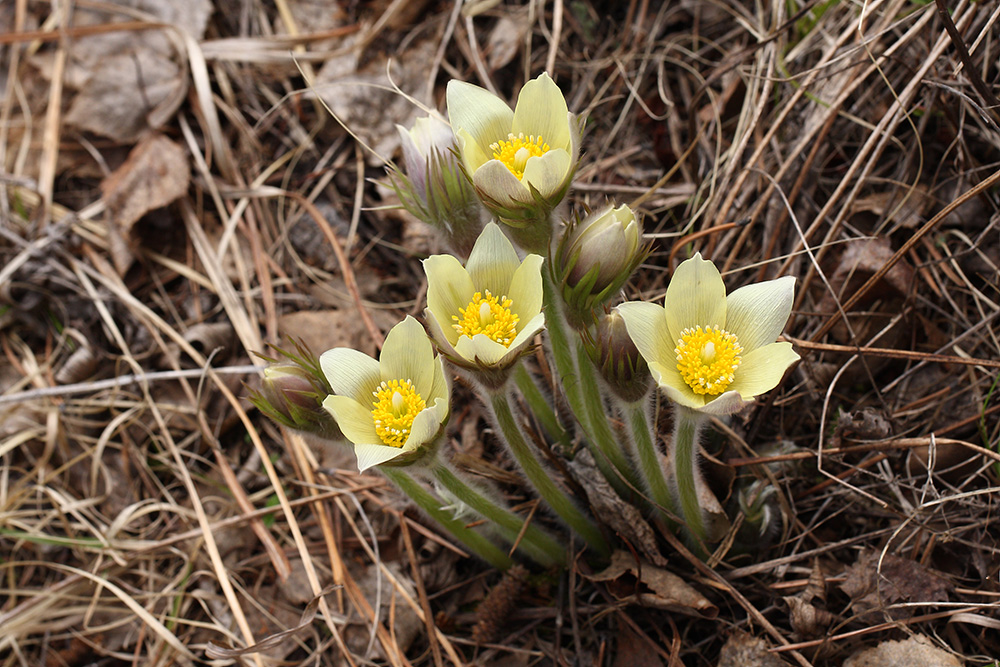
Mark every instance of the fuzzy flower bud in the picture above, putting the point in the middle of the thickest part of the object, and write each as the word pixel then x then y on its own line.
pixel 616 356
pixel 292 394
pixel 433 188
pixel 596 256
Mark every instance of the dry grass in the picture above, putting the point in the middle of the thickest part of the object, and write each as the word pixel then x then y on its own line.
pixel 145 513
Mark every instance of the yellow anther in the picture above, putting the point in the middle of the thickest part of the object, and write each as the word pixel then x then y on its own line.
pixel 707 359
pixel 393 410
pixel 486 314
pixel 515 151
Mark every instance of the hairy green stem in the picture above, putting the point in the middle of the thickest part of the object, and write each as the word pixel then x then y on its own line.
pixel 600 430
pixel 535 542
pixel 686 471
pixel 561 503
pixel 476 543
pixel 567 365
pixel 649 461
pixel 540 406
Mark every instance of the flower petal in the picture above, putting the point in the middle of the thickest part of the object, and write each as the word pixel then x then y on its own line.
pixel 481 349
pixel 449 288
pixel 669 380
pixel 696 296
pixel 527 331
pixel 354 418
pixel 548 173
pixel 525 289
pixel 541 111
pixel 407 354
pixel 473 157
pixel 476 110
pixel 757 313
pixel 372 455
pixel 646 324
pixel 426 425
pixel 441 388
pixel 762 369
pixel 350 373
pixel 725 404
pixel 445 335
pixel 496 182
pixel 492 262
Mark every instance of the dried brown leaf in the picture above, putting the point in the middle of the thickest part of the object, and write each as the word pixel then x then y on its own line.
pixel 873 587
pixel 916 650
pixel 651 586
pixel 744 650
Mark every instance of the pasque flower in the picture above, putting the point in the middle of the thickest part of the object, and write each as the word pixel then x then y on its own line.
pixel 433 187
pixel 711 352
pixel 522 161
pixel 596 256
pixel 483 315
pixel 393 409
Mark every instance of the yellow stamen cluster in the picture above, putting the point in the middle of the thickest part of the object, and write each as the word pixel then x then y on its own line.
pixel 515 151
pixel 396 404
pixel 707 359
pixel 486 314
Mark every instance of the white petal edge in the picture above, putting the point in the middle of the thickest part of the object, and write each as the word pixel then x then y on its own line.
pixel 349 372
pixel 757 313
pixel 426 425
pixel 444 335
pixel 696 296
pixel 527 331
pixel 481 349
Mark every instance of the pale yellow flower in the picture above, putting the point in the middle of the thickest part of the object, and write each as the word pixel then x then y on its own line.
pixel 393 409
pixel 520 161
pixel 483 315
pixel 710 352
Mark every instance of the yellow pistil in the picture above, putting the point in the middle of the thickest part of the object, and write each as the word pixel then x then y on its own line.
pixel 707 359
pixel 396 404
pixel 515 151
pixel 488 315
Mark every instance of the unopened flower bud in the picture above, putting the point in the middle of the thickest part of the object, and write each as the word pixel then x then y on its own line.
pixel 618 359
pixel 433 188
pixel 596 256
pixel 292 394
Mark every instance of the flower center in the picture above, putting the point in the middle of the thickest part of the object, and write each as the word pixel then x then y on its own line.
pixel 515 151
pixel 707 359
pixel 488 315
pixel 396 404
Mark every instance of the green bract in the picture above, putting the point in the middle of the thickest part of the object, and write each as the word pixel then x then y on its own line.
pixel 393 409
pixel 710 352
pixel 484 314
pixel 522 161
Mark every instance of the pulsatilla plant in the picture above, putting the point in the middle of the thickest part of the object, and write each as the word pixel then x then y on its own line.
pixel 539 279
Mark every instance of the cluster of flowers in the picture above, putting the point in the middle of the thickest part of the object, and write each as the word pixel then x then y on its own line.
pixel 709 353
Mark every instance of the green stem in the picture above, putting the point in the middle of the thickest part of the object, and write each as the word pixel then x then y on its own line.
pixel 474 541
pixel 540 406
pixel 540 478
pixel 535 542
pixel 649 461
pixel 565 362
pixel 600 430
pixel 685 469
